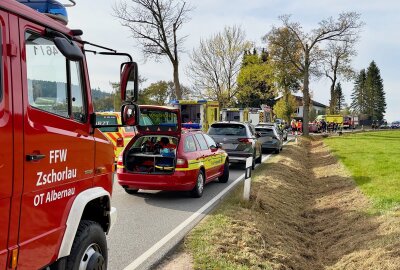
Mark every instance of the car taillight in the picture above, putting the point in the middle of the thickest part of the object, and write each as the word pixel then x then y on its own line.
pixel 120 142
pixel 245 140
pixel 182 163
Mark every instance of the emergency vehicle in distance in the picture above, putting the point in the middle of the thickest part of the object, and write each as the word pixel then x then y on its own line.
pixel 163 156
pixel 55 165
pixel 197 114
pixel 119 136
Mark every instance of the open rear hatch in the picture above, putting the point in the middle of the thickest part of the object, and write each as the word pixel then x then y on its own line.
pixel 153 149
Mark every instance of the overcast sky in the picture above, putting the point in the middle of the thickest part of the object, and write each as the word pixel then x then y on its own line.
pixel 380 38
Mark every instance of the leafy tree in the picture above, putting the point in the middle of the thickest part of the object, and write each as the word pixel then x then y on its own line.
pixel 215 65
pixel 285 107
pixel 253 88
pixel 345 28
pixel 154 25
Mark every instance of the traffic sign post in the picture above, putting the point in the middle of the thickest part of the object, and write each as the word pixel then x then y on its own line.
pixel 247 179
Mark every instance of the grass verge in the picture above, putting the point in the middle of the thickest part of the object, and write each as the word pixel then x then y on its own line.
pixel 372 159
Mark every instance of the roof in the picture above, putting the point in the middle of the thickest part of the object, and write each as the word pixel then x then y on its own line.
pixel 300 99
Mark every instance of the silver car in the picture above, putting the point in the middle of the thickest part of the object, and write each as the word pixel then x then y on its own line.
pixel 238 139
pixel 270 138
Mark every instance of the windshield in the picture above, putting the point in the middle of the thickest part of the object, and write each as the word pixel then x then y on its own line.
pixel 227 129
pixel 158 120
pixel 265 131
pixel 104 120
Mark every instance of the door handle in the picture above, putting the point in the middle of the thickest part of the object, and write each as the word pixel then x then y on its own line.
pixel 34 157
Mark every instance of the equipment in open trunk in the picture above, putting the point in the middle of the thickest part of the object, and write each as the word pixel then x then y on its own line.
pixel 152 154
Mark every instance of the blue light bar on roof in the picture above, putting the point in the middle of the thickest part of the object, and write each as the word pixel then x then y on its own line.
pixel 51 8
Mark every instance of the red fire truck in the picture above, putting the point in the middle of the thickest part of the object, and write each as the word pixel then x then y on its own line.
pixel 56 167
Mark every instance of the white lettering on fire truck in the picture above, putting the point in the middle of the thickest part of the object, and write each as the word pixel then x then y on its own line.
pixel 56 156
pixel 52 196
pixel 53 176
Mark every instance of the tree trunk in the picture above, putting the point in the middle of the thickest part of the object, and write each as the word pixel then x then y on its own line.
pixel 306 93
pixel 177 85
pixel 332 104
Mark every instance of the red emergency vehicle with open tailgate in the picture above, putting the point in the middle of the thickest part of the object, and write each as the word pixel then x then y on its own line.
pixel 56 167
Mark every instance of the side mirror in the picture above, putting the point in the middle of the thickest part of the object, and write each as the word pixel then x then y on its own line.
pixel 218 145
pixel 130 114
pixel 129 82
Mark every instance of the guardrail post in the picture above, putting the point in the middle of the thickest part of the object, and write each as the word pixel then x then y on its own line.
pixel 247 179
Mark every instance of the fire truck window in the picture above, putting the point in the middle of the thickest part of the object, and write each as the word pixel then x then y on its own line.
pixel 202 141
pixel 77 93
pixel 47 75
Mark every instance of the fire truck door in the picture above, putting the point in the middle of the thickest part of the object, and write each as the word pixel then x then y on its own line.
pixel 58 146
pixel 6 142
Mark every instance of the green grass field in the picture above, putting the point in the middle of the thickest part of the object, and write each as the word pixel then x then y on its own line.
pixel 373 158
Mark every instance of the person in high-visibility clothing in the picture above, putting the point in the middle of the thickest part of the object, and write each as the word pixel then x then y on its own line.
pixel 299 126
pixel 294 126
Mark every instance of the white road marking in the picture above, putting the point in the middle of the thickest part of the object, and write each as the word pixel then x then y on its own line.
pixel 142 258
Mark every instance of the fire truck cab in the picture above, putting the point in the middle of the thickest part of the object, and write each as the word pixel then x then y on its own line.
pixel 56 167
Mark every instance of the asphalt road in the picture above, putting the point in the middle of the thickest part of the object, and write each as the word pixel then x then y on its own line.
pixel 150 216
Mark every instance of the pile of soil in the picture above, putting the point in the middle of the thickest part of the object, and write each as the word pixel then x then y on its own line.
pixel 307 213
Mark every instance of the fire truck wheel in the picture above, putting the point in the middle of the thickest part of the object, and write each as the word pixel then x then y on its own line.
pixel 89 250
pixel 131 191
pixel 225 175
pixel 197 191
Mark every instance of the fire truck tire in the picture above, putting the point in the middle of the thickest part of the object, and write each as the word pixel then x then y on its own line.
pixel 89 250
pixel 225 175
pixel 197 191
pixel 131 191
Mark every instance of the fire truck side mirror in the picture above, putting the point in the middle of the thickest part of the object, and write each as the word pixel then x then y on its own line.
pixel 129 82
pixel 130 114
pixel 68 48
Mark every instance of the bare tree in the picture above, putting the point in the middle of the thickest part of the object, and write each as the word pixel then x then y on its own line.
pixel 346 27
pixel 215 64
pixel 337 64
pixel 154 25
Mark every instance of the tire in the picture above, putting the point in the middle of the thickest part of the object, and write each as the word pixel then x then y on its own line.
pixel 259 159
pixel 198 189
pixel 253 164
pixel 131 191
pixel 277 151
pixel 225 175
pixel 89 250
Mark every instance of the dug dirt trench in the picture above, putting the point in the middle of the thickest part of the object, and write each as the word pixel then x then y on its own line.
pixel 306 213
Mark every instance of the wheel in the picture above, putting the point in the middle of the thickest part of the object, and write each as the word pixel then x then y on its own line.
pixel 197 191
pixel 259 159
pixel 253 164
pixel 225 175
pixel 277 151
pixel 89 250
pixel 131 191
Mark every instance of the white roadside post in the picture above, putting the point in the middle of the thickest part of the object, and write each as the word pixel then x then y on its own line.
pixel 247 179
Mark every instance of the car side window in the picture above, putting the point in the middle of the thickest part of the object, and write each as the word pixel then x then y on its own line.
pixel 189 145
pixel 202 141
pixel 210 141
